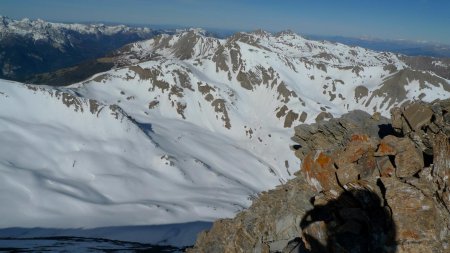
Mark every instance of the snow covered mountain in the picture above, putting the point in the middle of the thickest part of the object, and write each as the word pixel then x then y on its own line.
pixel 57 32
pixel 294 79
pixel 185 128
pixel 401 46
pixel 29 47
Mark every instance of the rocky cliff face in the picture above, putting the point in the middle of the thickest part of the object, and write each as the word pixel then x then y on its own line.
pixel 363 187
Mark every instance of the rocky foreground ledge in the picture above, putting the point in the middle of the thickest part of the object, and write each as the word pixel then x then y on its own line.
pixel 366 185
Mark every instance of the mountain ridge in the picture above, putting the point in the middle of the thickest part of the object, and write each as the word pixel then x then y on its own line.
pixel 35 46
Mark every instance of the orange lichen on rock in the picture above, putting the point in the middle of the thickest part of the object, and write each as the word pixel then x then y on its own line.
pixel 360 137
pixel 409 234
pixel 319 171
pixel 323 160
pixel 358 146
pixel 385 149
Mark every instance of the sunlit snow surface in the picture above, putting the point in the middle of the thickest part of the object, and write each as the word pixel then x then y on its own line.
pixel 62 168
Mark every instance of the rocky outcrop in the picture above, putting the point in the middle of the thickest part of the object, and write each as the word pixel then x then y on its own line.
pixel 270 224
pixel 369 179
pixel 333 134
pixel 360 189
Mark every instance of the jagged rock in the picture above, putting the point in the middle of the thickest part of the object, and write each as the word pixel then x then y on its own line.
pixel 367 194
pixel 359 155
pixel 319 171
pixel 415 215
pixel 396 118
pixel 385 166
pixel 387 146
pixel 417 115
pixel 408 162
pixel 335 133
pixel 358 146
pixel 433 139
pixel 441 161
pixel 347 174
pixel 408 159
pixel 421 122
pixel 269 225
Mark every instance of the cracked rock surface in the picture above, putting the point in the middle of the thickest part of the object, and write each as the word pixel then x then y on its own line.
pixel 363 187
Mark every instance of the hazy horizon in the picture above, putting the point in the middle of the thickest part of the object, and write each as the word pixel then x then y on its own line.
pixel 413 20
pixel 229 31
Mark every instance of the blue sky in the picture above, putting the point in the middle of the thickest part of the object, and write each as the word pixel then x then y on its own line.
pixel 425 20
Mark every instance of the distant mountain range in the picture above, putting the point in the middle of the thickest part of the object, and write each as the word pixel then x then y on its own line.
pixel 29 47
pixel 406 47
pixel 36 51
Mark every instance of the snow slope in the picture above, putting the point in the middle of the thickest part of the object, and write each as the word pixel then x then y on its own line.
pixel 186 128
pixel 68 162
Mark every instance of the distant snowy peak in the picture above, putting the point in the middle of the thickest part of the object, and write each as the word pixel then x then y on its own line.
pixel 193 44
pixel 30 47
pixel 41 30
pixel 26 25
pixel 304 80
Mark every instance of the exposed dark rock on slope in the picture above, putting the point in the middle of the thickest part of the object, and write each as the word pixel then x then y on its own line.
pixel 440 66
pixel 356 191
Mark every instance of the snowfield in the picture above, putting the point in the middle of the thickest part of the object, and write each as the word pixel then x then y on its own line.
pixel 66 168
